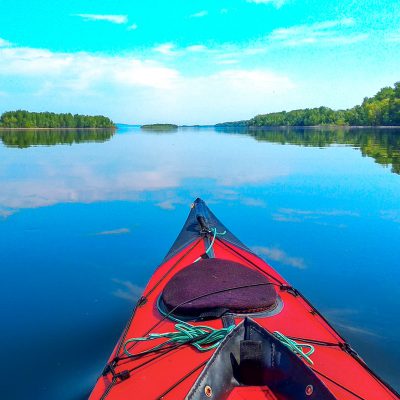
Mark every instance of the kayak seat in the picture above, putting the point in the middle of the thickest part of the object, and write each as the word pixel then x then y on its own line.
pixel 219 285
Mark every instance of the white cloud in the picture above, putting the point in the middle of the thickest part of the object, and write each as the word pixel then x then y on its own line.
pixel 199 14
pixel 393 37
pixel 227 62
pixel 115 19
pixel 235 52
pixel 170 49
pixel 343 40
pixel 132 27
pixel 80 71
pixel 29 61
pixel 326 32
pixel 196 48
pixel 141 88
pixel 4 43
pixel 306 30
pixel 166 49
pixel 276 254
pixel 260 80
pixel 236 92
pixel 133 72
pixel 220 52
pixel 276 3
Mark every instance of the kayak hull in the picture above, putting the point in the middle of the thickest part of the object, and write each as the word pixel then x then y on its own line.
pixel 171 374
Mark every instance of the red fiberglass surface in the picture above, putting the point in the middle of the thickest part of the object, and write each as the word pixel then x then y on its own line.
pixel 252 392
pixel 171 375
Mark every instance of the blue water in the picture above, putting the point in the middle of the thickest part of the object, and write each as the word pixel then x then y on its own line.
pixel 84 222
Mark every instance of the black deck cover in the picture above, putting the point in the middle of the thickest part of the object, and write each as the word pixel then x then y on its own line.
pixel 252 356
pixel 191 229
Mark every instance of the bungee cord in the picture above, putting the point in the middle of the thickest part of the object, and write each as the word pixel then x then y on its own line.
pixel 205 338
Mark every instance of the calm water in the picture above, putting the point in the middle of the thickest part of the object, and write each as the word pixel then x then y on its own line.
pixel 86 217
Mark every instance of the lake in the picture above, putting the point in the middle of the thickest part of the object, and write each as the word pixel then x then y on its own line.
pixel 85 218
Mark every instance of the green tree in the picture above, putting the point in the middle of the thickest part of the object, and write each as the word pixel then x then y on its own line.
pixel 26 119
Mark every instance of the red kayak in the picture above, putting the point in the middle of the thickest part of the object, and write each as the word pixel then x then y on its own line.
pixel 217 322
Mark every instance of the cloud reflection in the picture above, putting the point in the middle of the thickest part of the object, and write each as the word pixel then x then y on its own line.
pixel 354 329
pixel 339 317
pixel 129 167
pixel 314 216
pixel 391 215
pixel 120 231
pixel 127 290
pixel 5 213
pixel 276 254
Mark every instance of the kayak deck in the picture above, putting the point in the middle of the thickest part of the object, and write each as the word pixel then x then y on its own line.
pixel 171 373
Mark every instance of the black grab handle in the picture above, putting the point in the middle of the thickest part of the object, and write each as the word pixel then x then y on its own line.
pixel 201 215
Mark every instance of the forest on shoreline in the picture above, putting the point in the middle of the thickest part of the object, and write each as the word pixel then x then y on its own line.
pixel 159 127
pixel 383 109
pixel 27 119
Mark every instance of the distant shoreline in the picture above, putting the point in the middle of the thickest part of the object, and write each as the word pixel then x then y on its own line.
pixel 266 127
pixel 310 126
pixel 159 127
pixel 56 129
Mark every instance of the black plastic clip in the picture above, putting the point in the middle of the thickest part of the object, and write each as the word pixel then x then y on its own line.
pixel 348 349
pixel 141 301
pixel 109 368
pixel 123 375
pixel 290 290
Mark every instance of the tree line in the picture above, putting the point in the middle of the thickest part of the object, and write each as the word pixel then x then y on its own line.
pixel 381 109
pixel 26 119
pixel 159 127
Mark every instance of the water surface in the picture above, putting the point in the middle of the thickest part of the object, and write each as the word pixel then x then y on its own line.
pixel 86 217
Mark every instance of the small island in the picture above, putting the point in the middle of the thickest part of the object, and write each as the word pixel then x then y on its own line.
pixel 383 109
pixel 22 119
pixel 159 127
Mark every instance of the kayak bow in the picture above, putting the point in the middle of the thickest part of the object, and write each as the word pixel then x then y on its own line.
pixel 217 322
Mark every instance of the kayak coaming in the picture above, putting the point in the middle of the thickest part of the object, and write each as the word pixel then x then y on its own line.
pixel 157 374
pixel 249 356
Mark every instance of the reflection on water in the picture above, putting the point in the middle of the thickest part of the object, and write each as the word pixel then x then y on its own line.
pixel 383 145
pixel 48 137
pixel 138 164
pixel 83 227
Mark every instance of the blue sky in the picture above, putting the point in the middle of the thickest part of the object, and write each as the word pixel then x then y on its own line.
pixel 194 61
